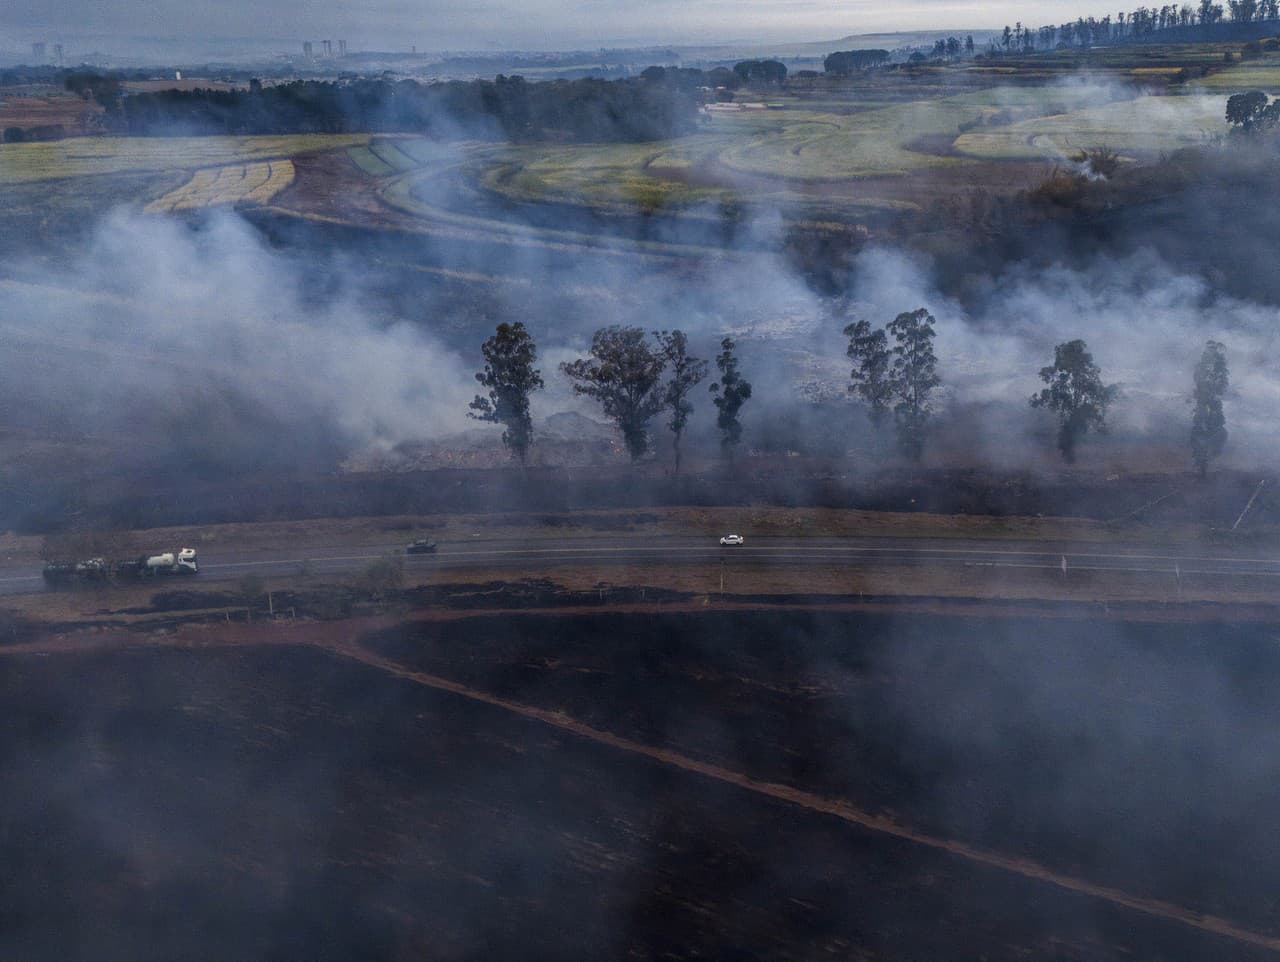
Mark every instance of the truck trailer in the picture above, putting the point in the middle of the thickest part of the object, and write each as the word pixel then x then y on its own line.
pixel 181 562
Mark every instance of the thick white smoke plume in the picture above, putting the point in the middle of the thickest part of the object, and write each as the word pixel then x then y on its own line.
pixel 168 328
pixel 160 314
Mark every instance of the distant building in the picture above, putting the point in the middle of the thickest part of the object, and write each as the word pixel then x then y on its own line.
pixel 38 51
pixel 328 48
pixel 306 50
pixel 342 48
pixel 57 53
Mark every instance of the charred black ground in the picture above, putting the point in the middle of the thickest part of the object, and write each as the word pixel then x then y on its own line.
pixel 269 803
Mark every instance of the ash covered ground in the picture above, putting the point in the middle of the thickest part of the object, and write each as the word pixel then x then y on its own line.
pixel 292 803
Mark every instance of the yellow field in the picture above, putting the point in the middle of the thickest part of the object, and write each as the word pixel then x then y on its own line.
pixel 255 183
pixel 85 156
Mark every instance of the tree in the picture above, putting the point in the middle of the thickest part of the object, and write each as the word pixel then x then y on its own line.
pixel 913 377
pixel 1250 111
pixel 869 351
pixel 510 376
pixel 761 71
pixel 623 373
pixel 845 62
pixel 686 373
pixel 731 392
pixel 1076 394
pixel 1208 424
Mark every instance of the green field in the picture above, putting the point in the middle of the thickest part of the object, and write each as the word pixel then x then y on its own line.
pixel 1254 75
pixel 414 193
pixel 796 145
pixel 385 157
pixel 1142 127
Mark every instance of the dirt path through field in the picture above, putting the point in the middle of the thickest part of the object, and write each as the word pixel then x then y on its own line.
pixel 338 639
pixel 826 806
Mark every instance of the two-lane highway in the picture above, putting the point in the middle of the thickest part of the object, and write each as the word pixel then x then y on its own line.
pixel 528 557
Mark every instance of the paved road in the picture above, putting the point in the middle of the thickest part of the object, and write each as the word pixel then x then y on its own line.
pixel 523 558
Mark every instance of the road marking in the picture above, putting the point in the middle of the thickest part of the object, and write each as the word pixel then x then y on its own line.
pixel 864 549
pixel 782 553
pixel 1244 566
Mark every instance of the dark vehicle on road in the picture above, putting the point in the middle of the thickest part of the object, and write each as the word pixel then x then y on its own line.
pixel 421 546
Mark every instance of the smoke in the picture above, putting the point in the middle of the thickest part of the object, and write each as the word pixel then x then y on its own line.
pixel 198 343
pixel 200 338
pixel 172 330
pixel 1145 322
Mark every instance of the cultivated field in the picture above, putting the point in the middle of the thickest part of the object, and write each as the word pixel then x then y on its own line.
pixel 254 183
pixel 1143 127
pixel 836 160
pixel 47 107
pixel 1255 75
pixel 847 153
pixel 86 157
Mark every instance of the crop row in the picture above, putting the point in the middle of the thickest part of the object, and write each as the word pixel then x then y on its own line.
pixel 385 157
pixel 87 156
pixel 255 183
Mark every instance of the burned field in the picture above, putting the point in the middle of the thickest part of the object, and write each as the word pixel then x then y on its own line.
pixel 727 785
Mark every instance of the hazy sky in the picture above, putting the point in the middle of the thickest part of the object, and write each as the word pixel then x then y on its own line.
pixel 527 24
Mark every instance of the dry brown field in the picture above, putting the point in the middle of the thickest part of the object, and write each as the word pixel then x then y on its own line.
pixel 43 110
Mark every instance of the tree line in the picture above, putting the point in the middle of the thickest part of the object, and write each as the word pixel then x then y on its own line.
pixel 636 109
pixel 1138 25
pixel 623 371
pixel 894 374
pixel 902 380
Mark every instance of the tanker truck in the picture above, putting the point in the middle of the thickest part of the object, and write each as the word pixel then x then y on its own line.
pixel 181 562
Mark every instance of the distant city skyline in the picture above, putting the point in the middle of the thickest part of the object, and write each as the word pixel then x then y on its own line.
pixel 134 26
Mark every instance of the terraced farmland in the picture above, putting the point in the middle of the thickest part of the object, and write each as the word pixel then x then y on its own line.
pixel 384 158
pixel 892 140
pixel 842 157
pixel 1258 75
pixel 83 156
pixel 255 183
pixel 1145 126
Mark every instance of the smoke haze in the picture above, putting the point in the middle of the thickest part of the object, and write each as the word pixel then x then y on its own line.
pixel 160 318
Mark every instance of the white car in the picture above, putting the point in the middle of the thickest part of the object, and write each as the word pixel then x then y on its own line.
pixel 732 539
